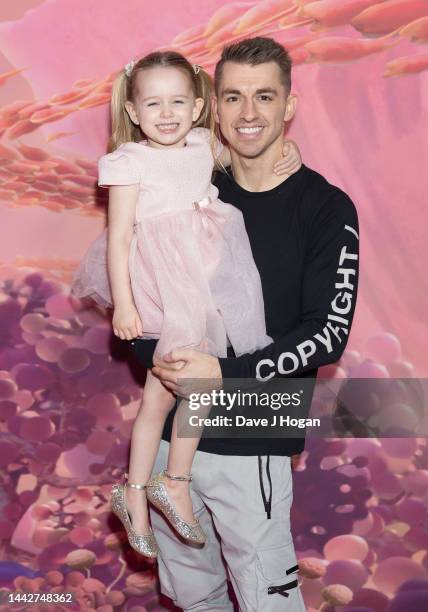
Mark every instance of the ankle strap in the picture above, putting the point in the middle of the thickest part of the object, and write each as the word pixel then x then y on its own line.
pixel 135 486
pixel 172 477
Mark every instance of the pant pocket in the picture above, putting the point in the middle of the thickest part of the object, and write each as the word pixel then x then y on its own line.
pixel 277 577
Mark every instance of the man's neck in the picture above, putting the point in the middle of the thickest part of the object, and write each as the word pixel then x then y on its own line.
pixel 256 174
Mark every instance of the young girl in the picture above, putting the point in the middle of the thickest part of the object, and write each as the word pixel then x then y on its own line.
pixel 179 262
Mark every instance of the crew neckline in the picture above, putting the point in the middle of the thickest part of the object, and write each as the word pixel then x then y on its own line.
pixel 263 194
pixel 143 143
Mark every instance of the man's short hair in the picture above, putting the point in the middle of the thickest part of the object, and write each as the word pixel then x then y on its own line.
pixel 255 51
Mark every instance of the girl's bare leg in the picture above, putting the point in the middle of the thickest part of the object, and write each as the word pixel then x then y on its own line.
pixel 180 459
pixel 156 404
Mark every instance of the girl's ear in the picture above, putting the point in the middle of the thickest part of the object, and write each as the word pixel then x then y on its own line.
pixel 131 112
pixel 197 109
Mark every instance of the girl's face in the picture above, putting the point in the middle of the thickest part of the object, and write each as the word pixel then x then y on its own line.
pixel 164 106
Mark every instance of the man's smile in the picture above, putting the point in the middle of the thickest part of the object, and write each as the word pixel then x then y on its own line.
pixel 249 132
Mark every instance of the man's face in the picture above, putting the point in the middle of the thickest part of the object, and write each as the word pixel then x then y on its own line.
pixel 251 107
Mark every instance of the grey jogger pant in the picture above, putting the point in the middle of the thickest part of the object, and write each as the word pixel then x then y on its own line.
pixel 258 551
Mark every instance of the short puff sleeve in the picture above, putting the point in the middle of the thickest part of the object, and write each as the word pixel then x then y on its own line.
pixel 121 167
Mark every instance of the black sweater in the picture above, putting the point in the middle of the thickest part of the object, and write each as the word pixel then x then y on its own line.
pixel 304 238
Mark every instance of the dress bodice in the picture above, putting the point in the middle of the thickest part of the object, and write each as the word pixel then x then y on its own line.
pixel 170 179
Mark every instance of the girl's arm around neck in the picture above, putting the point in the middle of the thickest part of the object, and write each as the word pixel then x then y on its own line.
pixel 288 164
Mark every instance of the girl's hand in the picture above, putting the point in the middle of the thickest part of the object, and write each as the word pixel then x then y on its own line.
pixel 127 323
pixel 291 162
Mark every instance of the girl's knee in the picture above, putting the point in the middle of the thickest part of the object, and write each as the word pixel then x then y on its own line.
pixel 156 400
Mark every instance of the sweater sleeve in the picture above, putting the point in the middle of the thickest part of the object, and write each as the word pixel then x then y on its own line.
pixel 329 290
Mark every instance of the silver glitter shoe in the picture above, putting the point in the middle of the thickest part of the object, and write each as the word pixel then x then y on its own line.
pixel 158 496
pixel 144 544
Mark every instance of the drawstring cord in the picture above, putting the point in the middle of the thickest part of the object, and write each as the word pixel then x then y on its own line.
pixel 267 502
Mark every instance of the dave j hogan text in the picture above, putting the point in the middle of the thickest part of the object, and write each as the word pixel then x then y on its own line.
pixel 238 420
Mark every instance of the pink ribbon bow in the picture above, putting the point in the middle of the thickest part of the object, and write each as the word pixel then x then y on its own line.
pixel 207 212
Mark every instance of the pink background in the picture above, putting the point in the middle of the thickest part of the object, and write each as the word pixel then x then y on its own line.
pixel 362 84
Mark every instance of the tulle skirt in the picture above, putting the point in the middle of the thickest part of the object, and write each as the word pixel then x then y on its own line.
pixel 193 279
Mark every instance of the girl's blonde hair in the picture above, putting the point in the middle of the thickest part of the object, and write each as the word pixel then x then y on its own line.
pixel 124 89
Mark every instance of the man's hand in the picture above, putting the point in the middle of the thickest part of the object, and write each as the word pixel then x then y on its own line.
pixel 179 369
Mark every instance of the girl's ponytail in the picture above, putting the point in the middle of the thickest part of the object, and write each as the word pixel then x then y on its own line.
pixel 205 90
pixel 122 128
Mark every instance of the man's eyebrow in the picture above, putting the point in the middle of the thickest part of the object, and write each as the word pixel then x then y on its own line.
pixel 262 90
pixel 228 90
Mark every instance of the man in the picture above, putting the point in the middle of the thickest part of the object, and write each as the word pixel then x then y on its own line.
pixel 304 236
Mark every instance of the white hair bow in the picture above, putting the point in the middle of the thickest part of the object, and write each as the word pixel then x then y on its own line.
pixel 129 68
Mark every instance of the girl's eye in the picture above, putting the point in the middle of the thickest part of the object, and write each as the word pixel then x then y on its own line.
pixel 179 101
pixel 152 104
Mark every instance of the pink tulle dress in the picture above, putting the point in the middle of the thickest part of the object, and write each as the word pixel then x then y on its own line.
pixel 192 274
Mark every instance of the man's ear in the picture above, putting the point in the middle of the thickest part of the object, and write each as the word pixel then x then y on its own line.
pixel 131 112
pixel 290 107
pixel 199 105
pixel 214 105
